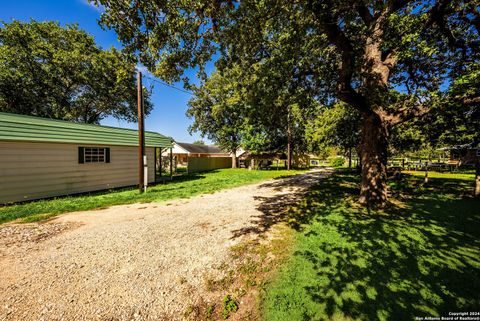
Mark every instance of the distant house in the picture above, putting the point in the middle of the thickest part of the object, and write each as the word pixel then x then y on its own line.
pixel 261 160
pixel 314 160
pixel 42 157
pixel 265 160
pixel 466 154
pixel 182 151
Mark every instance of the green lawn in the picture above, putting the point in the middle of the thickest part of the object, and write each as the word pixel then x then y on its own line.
pixel 182 187
pixel 419 257
pixel 465 175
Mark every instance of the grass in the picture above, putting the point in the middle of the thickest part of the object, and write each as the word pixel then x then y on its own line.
pixel 418 257
pixel 229 306
pixel 242 276
pixel 183 187
pixel 466 175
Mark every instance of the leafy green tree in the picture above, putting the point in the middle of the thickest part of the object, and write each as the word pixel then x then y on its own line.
pixel 217 109
pixel 456 122
pixel 459 121
pixel 55 72
pixel 389 60
pixel 259 114
pixel 281 106
pixel 199 142
pixel 407 138
pixel 338 126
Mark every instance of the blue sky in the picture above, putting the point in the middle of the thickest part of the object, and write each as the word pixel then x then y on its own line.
pixel 168 116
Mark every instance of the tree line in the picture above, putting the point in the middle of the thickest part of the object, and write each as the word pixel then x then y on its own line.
pixel 373 76
pixel 390 61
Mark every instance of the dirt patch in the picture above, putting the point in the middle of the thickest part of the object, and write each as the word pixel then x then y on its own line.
pixel 14 237
pixel 136 262
pixel 241 279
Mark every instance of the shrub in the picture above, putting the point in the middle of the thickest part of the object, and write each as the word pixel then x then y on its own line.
pixel 336 161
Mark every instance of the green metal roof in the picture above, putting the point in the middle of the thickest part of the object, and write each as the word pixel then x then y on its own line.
pixel 15 127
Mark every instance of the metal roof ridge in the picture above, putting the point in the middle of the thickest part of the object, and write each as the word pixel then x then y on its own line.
pixel 61 121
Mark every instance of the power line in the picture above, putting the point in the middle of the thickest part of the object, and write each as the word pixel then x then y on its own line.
pixel 168 85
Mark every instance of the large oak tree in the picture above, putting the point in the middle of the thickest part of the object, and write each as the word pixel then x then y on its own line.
pixel 59 72
pixel 390 60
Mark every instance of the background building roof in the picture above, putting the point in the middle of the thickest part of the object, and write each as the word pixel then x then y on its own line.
pixel 15 127
pixel 201 149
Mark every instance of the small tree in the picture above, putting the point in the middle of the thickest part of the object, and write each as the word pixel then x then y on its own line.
pixel 217 109
pixel 338 126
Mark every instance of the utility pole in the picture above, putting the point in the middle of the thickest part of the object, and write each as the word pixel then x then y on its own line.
pixel 289 141
pixel 142 157
pixel 477 176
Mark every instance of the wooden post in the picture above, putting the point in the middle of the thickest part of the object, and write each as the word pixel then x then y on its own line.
pixel 171 163
pixel 155 160
pixel 289 141
pixel 477 177
pixel 142 157
pixel 160 165
pixel 350 157
pixel 289 164
pixel 425 180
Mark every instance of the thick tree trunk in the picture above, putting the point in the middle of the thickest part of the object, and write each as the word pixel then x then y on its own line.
pixel 373 192
pixel 234 159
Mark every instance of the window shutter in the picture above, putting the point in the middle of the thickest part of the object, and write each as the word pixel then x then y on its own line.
pixel 81 153
pixel 107 155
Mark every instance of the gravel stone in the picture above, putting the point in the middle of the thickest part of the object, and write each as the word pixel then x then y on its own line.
pixel 134 262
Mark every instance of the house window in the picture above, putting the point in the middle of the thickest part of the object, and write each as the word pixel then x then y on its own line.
pixel 93 155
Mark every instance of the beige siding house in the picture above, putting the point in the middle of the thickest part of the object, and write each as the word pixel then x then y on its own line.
pixel 182 151
pixel 42 158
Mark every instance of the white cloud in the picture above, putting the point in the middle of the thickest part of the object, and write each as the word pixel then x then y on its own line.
pixel 100 8
pixel 144 70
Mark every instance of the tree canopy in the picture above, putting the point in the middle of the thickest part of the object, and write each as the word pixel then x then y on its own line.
pixel 336 126
pixel 50 71
pixel 391 61
pixel 218 111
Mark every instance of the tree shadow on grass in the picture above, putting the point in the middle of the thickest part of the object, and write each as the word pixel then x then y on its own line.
pixel 306 179
pixel 420 257
pixel 276 209
pixel 180 178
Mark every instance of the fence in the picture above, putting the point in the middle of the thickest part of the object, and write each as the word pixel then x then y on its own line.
pixel 201 164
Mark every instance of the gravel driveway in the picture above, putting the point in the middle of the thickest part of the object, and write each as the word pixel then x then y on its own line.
pixel 133 262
